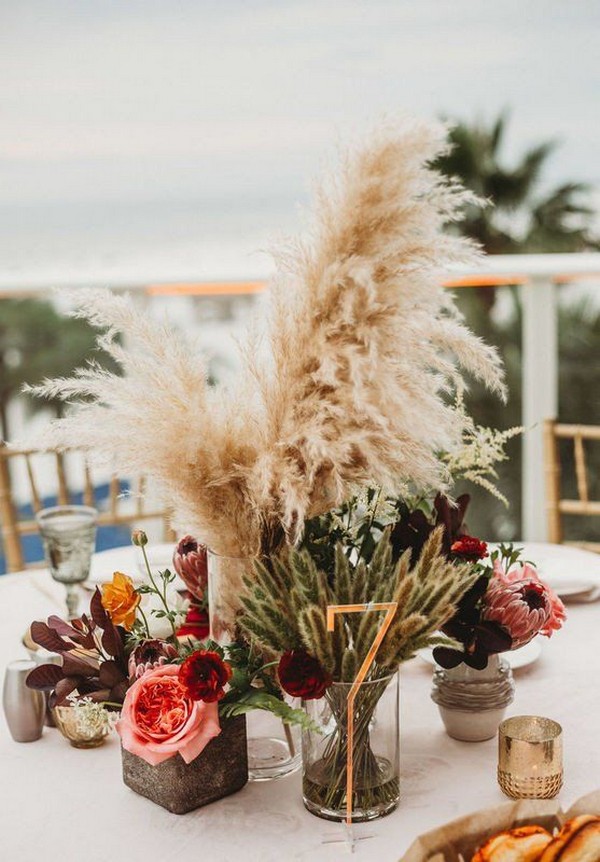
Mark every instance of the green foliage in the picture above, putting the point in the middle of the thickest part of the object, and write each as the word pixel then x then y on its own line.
pixel 281 619
pixel 579 348
pixel 520 219
pixel 255 699
pixel 37 342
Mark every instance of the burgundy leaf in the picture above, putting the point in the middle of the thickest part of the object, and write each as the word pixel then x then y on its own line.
pixel 44 677
pixel 111 640
pixel 99 696
pixel 46 637
pixel 88 623
pixel 447 657
pixel 60 626
pixel 118 692
pixel 90 685
pixel 79 666
pixel 63 689
pixel 86 641
pixel 477 660
pixel 97 611
pixel 110 673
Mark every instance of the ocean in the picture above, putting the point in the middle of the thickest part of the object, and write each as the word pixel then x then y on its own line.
pixel 53 245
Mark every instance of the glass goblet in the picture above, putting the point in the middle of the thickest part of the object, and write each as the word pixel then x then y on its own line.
pixel 69 537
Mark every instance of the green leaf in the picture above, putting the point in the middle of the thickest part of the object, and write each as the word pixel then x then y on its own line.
pixel 255 699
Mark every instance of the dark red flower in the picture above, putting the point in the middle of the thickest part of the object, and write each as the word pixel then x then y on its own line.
pixel 301 675
pixel 469 548
pixel 195 624
pixel 204 674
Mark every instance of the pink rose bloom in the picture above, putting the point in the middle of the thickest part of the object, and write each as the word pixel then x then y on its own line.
pixel 517 573
pixel 159 719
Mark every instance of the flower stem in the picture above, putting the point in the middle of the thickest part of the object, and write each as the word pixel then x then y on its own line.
pixel 158 592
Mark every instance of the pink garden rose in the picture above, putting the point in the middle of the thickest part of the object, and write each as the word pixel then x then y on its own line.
pixel 522 603
pixel 160 719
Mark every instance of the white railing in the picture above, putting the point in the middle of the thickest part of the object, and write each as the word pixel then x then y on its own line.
pixel 537 276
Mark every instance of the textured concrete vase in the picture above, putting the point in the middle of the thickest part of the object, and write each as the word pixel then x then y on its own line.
pixel 221 769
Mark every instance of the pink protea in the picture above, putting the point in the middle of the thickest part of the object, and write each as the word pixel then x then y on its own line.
pixel 148 655
pixel 523 607
pixel 525 572
pixel 190 563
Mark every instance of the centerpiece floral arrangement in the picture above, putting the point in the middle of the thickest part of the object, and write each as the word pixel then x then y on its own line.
pixel 326 468
pixel 507 606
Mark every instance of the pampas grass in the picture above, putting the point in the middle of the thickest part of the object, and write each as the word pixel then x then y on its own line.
pixel 364 349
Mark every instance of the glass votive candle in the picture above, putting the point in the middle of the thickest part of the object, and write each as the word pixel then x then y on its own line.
pixel 530 757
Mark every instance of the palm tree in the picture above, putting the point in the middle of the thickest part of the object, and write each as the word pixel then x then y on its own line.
pixel 520 219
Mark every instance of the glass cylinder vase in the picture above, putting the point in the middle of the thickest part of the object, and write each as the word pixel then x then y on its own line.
pixel 375 752
pixel 472 702
pixel 274 748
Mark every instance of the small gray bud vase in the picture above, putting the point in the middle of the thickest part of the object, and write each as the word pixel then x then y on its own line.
pixel 472 702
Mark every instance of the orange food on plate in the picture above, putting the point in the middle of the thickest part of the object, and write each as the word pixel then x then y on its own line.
pixel 577 841
pixel 525 844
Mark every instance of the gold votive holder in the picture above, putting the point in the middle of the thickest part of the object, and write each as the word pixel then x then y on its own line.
pixel 77 732
pixel 530 757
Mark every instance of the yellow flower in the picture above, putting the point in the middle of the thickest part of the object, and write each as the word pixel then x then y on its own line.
pixel 120 599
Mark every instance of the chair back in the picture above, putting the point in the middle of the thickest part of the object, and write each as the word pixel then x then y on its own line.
pixel 557 506
pixel 54 469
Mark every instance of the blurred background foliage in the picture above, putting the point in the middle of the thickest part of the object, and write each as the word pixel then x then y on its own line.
pixel 36 341
pixel 523 218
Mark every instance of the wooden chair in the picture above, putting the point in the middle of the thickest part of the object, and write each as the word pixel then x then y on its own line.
pixel 121 509
pixel 556 505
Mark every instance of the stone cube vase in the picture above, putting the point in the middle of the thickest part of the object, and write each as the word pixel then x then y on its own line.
pixel 221 769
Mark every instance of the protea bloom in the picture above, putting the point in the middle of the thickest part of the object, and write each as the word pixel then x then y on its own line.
pixel 526 571
pixel 190 563
pixel 150 654
pixel 524 606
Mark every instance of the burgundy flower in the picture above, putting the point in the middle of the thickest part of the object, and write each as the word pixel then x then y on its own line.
pixel 414 528
pixel 190 563
pixel 469 548
pixel 195 624
pixel 150 654
pixel 302 675
pixel 205 675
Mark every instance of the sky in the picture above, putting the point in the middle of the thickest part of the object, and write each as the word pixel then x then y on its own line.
pixel 151 125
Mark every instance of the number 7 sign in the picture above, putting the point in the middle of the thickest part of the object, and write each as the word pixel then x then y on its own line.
pixel 390 609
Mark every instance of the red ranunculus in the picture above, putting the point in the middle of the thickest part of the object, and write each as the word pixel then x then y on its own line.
pixel 301 675
pixel 204 675
pixel 469 548
pixel 195 624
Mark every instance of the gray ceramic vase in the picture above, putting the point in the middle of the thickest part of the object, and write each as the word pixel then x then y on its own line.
pixel 218 771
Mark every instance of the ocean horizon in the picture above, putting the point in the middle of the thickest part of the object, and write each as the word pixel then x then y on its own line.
pixel 53 245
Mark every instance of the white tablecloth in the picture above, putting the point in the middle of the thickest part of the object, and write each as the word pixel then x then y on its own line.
pixel 57 802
